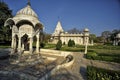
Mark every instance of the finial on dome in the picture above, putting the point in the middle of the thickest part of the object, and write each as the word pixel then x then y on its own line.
pixel 29 3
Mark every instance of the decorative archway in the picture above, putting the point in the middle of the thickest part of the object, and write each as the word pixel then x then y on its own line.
pixel 25 42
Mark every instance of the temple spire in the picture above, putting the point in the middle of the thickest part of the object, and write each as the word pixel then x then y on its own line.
pixel 29 3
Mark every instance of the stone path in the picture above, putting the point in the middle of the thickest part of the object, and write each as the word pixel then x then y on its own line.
pixel 80 65
pixel 78 70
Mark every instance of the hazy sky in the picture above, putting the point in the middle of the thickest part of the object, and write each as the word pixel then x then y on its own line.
pixel 97 15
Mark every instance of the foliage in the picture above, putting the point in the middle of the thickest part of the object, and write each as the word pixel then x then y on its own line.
pixel 91 54
pixel 93 37
pixel 59 45
pixel 73 49
pixel 48 46
pixel 45 37
pixel 106 35
pixel 113 34
pixel 42 44
pixel 103 57
pixel 99 39
pixel 71 43
pixel 5 13
pixel 104 49
pixel 74 31
pixel 94 73
pixel 5 46
pixel 107 47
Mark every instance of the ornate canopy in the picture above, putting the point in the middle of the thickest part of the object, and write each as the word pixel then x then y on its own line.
pixel 27 16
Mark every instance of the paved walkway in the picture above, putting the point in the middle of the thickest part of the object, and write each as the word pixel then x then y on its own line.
pixel 78 70
pixel 80 65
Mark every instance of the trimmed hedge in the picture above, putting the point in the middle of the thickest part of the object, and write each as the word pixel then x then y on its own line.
pixel 94 73
pixel 59 45
pixel 103 57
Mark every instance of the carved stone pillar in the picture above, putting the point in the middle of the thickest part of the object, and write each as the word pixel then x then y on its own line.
pixel 22 46
pixel 19 44
pixel 15 42
pixel 12 43
pixel 86 44
pixel 30 46
pixel 37 44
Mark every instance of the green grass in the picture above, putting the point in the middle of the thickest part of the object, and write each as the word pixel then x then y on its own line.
pixel 103 57
pixel 110 47
pixel 98 49
pixel 94 73
pixel 5 46
pixel 49 46
pixel 98 52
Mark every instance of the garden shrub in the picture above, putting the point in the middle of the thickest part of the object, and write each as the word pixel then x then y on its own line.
pixel 91 55
pixel 103 57
pixel 91 51
pixel 94 73
pixel 59 45
pixel 42 44
pixel 71 43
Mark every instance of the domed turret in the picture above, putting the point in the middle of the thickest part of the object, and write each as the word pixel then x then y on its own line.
pixel 86 30
pixel 26 14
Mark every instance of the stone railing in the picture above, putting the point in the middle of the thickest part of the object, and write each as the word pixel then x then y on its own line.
pixel 64 65
pixel 55 52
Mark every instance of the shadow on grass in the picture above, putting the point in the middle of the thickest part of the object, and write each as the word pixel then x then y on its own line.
pixel 4 54
pixel 83 72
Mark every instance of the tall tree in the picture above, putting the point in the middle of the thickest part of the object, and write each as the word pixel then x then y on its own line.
pixel 45 37
pixel 74 30
pixel 93 37
pixel 114 33
pixel 5 13
pixel 106 36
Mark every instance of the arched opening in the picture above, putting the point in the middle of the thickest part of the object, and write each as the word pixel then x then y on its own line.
pixel 25 42
pixel 38 26
pixel 9 22
pixel 22 22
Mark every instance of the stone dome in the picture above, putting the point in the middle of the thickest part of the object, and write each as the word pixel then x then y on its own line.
pixel 27 11
pixel 86 30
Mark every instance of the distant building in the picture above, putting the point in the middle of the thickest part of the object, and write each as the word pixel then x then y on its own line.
pixel 117 40
pixel 79 38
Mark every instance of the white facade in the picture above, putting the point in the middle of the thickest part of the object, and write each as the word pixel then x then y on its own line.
pixel 59 34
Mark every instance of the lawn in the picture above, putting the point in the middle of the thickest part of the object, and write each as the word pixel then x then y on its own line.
pixel 97 52
pixel 1 46
pixel 104 57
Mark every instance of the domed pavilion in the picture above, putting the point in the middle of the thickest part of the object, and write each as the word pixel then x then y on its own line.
pixel 25 26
